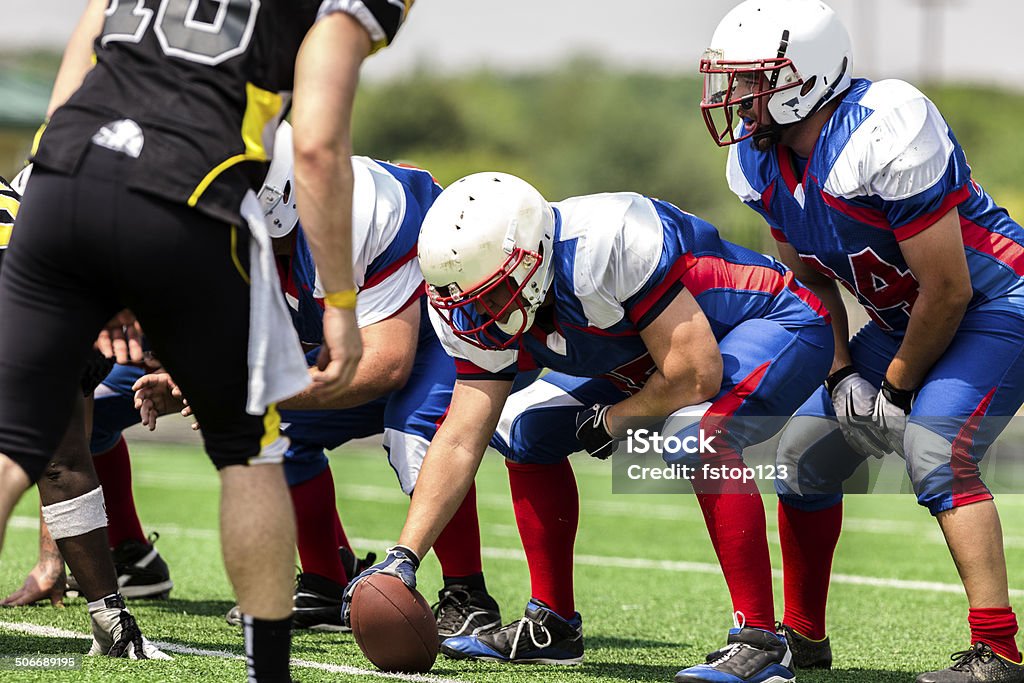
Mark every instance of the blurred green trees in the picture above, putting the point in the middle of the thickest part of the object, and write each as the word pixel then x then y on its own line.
pixel 585 127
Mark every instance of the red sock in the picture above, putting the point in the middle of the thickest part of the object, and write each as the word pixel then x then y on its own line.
pixel 114 469
pixel 458 546
pixel 734 515
pixel 547 508
pixel 996 627
pixel 808 543
pixel 320 533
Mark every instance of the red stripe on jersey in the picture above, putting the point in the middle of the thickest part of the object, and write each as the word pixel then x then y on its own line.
pixel 862 214
pixel 967 485
pixel 929 219
pixel 675 274
pixel 713 272
pixel 726 405
pixel 992 243
pixel 807 296
pixel 377 278
pixel 412 299
pixel 786 169
pixel 465 367
pixel 766 196
pixel 778 235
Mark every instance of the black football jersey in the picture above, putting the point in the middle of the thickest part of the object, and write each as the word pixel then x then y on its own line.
pixel 194 89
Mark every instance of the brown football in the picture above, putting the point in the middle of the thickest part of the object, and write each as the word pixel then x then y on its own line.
pixel 393 625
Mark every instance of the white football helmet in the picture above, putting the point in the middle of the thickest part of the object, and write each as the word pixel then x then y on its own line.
pixel 485 250
pixel 277 196
pixel 786 57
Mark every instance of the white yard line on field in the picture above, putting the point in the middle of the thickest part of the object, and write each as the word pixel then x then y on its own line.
pixel 51 632
pixel 517 555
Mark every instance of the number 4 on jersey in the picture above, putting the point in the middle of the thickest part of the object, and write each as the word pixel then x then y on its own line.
pixel 878 285
pixel 882 285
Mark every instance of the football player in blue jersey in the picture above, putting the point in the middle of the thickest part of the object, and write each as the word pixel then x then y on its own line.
pixel 640 309
pixel 864 184
pixel 401 389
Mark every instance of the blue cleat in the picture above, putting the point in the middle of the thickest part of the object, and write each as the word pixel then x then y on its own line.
pixel 540 637
pixel 751 655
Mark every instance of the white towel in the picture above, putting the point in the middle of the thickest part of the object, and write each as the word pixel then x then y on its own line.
pixel 277 366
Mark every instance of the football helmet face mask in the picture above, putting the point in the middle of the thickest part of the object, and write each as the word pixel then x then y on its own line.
pixel 485 252
pixel 772 63
pixel 277 196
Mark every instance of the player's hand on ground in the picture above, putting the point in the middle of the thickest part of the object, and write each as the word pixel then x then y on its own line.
pixel 341 350
pixel 592 431
pixel 121 339
pixel 156 394
pixel 892 406
pixel 854 400
pixel 47 580
pixel 400 562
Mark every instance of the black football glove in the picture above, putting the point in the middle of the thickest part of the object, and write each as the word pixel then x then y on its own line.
pixel 592 431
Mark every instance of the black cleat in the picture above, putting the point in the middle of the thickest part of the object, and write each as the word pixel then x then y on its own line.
pixel 977 665
pixel 462 612
pixel 807 653
pixel 141 572
pixel 353 565
pixel 751 655
pixel 317 604
pixel 540 637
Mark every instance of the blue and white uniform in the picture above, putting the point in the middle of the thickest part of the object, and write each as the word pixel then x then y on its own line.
pixel 389 203
pixel 885 168
pixel 618 261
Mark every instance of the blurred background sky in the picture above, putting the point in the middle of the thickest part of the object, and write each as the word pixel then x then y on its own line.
pixel 974 41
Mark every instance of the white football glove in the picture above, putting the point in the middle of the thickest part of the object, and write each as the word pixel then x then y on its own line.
pixel 854 400
pixel 892 406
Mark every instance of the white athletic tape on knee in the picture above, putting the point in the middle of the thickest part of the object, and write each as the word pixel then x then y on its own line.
pixel 77 516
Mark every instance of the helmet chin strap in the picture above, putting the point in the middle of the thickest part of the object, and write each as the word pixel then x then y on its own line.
pixel 766 137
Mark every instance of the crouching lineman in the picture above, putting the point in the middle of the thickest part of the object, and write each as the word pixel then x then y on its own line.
pixel 401 389
pixel 864 184
pixel 659 313
pixel 72 502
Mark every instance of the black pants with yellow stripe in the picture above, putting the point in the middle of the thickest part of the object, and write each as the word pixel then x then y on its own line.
pixel 83 248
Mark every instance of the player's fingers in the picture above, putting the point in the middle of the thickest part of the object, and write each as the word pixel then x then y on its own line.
pixel 103 344
pixel 120 346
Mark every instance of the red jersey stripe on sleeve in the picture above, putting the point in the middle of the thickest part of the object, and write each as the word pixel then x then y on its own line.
pixel 926 221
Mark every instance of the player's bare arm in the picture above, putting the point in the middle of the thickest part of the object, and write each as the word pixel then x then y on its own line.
pixel 326 72
pixel 389 351
pixel 826 289
pixel 77 60
pixel 936 259
pixel 452 460
pixel 689 366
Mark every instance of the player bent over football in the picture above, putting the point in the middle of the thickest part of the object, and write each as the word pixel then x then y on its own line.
pixel 640 309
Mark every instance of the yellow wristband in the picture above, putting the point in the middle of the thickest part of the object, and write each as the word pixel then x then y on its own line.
pixel 346 298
